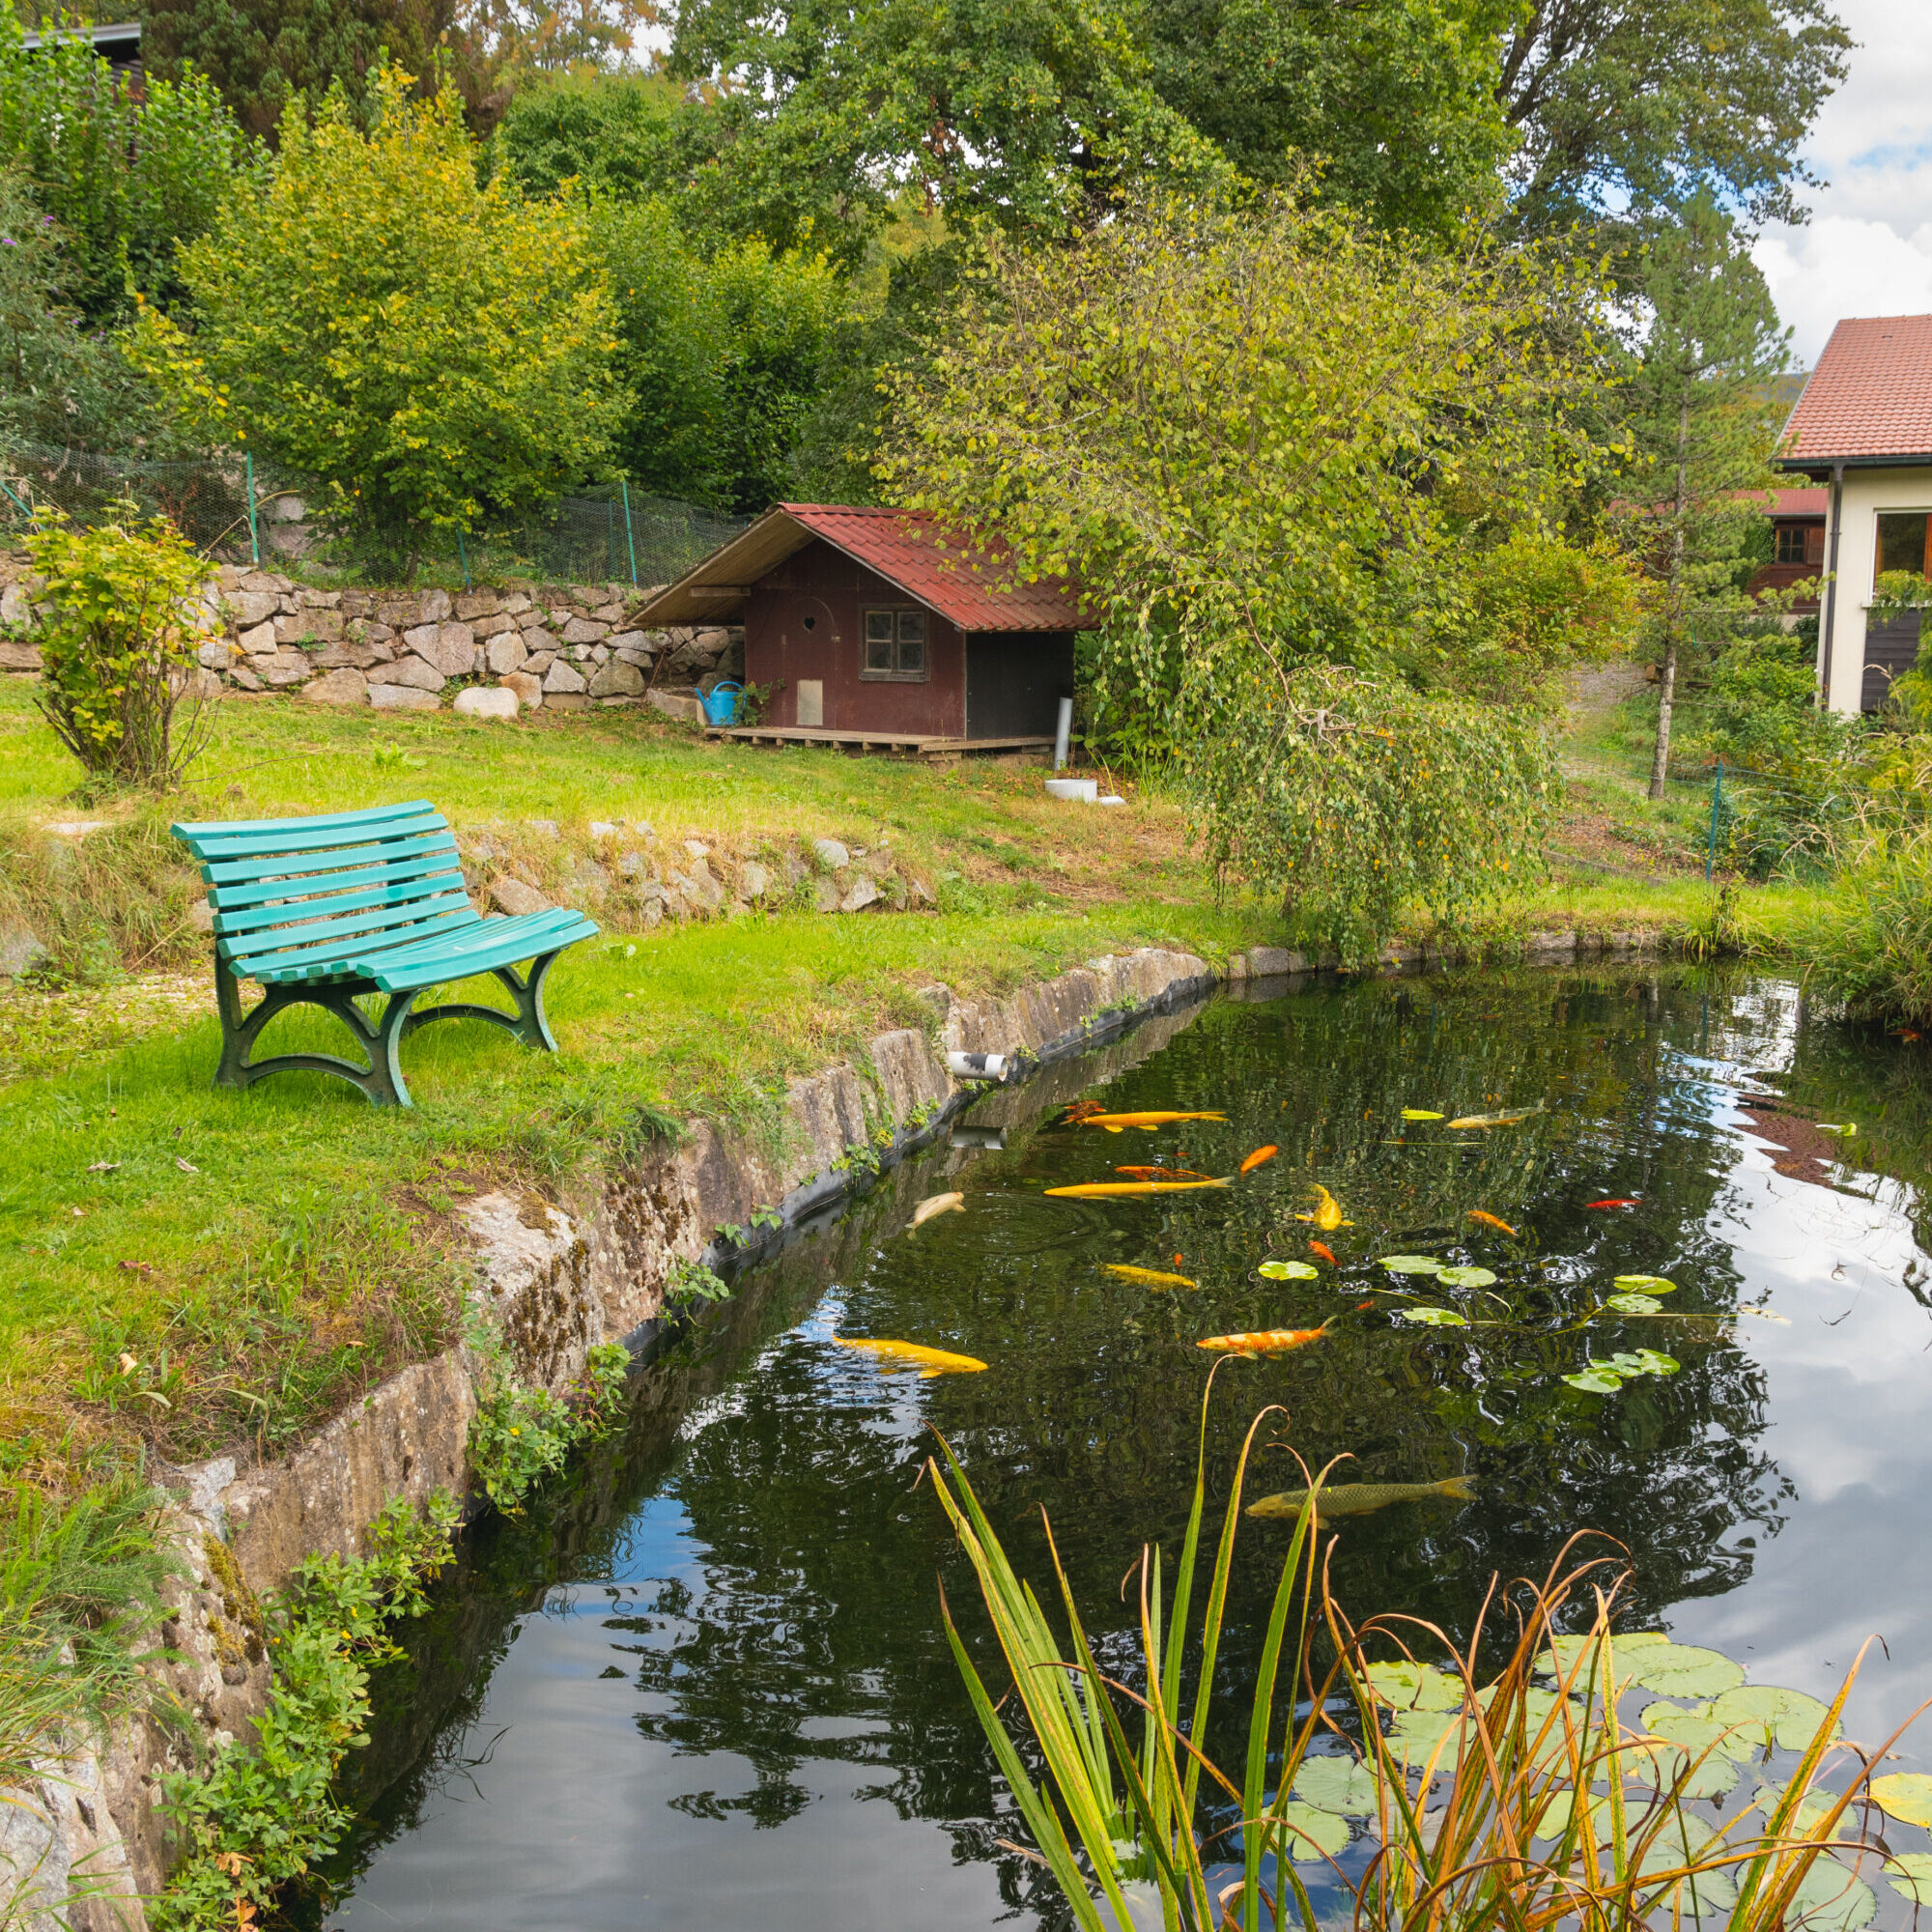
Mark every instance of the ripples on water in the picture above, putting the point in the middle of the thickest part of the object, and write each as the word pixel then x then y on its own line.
pixel 706 1684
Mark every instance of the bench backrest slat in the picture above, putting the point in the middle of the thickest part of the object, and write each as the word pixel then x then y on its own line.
pixel 301 898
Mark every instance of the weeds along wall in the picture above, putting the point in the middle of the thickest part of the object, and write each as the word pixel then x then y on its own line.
pixel 562 646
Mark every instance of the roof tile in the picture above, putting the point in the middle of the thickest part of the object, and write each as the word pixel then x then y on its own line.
pixel 1869 396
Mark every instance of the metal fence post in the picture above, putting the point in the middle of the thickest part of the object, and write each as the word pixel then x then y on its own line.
pixel 254 534
pixel 1717 799
pixel 463 557
pixel 629 541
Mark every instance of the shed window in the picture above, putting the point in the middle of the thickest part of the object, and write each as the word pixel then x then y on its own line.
pixel 895 644
pixel 1801 543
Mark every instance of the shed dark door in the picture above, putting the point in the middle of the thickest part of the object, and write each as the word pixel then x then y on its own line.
pixel 1890 647
pixel 1014 682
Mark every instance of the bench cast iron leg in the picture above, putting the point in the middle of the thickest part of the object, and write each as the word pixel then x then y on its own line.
pixel 529 1022
pixel 381 1080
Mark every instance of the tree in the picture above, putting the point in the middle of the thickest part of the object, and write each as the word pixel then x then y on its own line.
pixel 437 353
pixel 1278 450
pixel 1639 103
pixel 1704 416
pixel 125 175
pixel 1396 100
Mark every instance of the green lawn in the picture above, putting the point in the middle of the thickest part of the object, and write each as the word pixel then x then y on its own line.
pixel 189 1266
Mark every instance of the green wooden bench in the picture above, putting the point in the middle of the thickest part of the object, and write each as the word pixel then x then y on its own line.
pixel 329 910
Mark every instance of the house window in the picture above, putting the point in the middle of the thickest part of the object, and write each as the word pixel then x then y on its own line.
pixel 895 644
pixel 1904 540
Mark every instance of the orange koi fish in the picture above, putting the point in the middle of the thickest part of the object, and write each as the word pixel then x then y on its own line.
pixel 1489 1221
pixel 1263 1341
pixel 1327 1253
pixel 1148 1120
pixel 1259 1159
pixel 1163 1174
pixel 1108 1190
pixel 1634 1200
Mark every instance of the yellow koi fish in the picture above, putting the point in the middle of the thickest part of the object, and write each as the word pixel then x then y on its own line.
pixel 1108 1190
pixel 1488 1220
pixel 1263 1341
pixel 938 1203
pixel 1363 1499
pixel 1328 1215
pixel 1152 1119
pixel 1494 1120
pixel 892 1356
pixel 1152 1276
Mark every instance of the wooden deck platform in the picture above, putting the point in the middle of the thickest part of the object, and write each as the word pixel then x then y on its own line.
pixel 874 741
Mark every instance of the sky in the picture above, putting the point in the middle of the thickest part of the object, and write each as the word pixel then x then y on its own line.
pixel 1867 248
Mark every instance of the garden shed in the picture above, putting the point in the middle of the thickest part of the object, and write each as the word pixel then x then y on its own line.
pixel 880 628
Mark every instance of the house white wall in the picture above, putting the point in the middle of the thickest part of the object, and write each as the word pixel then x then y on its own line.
pixel 1866 492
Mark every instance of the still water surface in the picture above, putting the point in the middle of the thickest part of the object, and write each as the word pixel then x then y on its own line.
pixel 707 1684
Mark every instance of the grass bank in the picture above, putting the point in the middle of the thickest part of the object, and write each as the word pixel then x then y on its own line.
pixel 193 1268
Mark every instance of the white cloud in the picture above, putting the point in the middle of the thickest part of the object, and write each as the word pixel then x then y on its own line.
pixel 1867 248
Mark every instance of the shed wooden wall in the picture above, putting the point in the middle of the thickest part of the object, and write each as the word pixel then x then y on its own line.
pixel 823 583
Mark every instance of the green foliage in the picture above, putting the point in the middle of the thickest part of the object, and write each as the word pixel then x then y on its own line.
pixel 1273 584
pixel 522 1435
pixel 722 354
pixel 1495 1805
pixel 689 1281
pixel 631 135
pixel 124 174
pixel 61 381
pixel 1705 418
pixel 437 353
pixel 118 645
pixel 1870 942
pixel 260 1815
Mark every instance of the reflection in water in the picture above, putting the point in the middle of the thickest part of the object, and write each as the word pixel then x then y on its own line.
pixel 708 1683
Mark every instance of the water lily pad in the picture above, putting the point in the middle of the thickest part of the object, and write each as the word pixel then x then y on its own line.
pixel 1596 1381
pixel 1905 1795
pixel 1339 1784
pixel 1813 1808
pixel 1645 1283
pixel 1414 1687
pixel 1554 1822
pixel 1288 1270
pixel 1686 1670
pixel 1766 1714
pixel 1695 1731
pixel 1411 1264
pixel 1418 1732
pixel 1634 1304
pixel 1564 1651
pixel 1466 1277
pixel 1830 1899
pixel 1314 1835
pixel 1420 1113
pixel 1910 1876
pixel 1433 1318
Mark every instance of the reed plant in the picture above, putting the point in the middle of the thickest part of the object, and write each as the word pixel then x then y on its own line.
pixel 1506 1800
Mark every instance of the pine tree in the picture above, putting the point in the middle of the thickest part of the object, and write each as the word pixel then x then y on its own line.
pixel 1705 422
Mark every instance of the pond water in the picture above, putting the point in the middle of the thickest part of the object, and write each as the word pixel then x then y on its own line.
pixel 706 1681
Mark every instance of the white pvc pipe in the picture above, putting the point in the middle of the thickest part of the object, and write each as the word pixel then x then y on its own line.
pixel 1062 731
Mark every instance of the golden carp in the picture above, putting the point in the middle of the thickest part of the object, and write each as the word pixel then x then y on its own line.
pixel 1108 1190
pixel 1360 1498
pixel 1260 1157
pixel 1327 1214
pixel 938 1203
pixel 892 1356
pixel 1147 1120
pixel 1263 1341
pixel 1488 1220
pixel 1152 1276
pixel 1494 1120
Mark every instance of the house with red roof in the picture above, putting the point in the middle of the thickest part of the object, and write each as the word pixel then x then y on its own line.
pixel 1862 429
pixel 882 628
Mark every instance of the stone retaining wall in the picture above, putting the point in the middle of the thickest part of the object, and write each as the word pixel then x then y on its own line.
pixel 492 652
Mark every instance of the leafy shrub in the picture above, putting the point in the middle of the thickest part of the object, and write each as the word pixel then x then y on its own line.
pixel 437 353
pixel 686 1281
pixel 120 682
pixel 522 1435
pixel 260 1815
pixel 1871 944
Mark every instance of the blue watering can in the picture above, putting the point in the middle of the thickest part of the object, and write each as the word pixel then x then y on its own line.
pixel 720 702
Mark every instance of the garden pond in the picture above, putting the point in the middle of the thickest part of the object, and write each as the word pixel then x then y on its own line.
pixel 706 1681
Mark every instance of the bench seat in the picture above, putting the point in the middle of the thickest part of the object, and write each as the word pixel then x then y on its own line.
pixel 328 910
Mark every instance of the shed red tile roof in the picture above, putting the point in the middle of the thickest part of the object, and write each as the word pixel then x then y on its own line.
pixel 1797 503
pixel 908 548
pixel 1870 397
